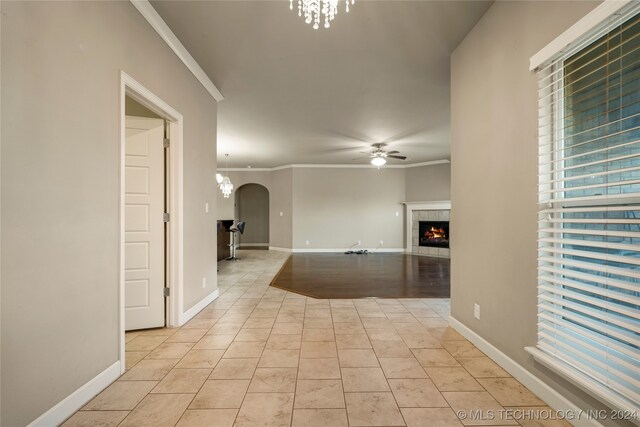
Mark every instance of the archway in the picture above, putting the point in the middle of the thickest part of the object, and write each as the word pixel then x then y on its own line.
pixel 252 207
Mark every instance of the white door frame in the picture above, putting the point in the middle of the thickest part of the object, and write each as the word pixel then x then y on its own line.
pixel 130 87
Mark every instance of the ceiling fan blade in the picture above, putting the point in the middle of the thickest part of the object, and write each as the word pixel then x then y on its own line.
pixel 364 157
pixel 393 152
pixel 398 157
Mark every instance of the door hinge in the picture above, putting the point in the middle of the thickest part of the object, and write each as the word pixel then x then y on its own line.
pixel 165 142
pixel 167 292
pixel 165 217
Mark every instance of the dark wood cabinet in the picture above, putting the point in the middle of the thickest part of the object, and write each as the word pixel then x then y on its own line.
pixel 224 237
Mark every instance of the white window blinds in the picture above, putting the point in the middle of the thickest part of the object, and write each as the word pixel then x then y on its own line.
pixel 589 215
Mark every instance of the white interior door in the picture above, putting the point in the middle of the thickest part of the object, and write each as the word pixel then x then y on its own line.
pixel 144 225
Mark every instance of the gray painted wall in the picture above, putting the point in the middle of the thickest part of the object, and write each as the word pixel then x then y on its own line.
pixel 428 183
pixel 334 208
pixel 252 206
pixel 61 65
pixel 494 176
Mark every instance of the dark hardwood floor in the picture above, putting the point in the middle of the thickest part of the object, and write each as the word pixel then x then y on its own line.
pixel 386 275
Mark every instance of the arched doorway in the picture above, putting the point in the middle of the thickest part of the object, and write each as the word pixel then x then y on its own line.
pixel 252 207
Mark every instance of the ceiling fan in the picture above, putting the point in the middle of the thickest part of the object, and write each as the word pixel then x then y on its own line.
pixel 379 155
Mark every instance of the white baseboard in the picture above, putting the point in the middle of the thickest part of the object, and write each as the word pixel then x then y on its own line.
pixel 76 400
pixel 343 250
pixel 240 245
pixel 188 315
pixel 554 399
pixel 275 248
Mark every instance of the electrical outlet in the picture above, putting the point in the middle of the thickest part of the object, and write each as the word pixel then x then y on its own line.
pixel 381 242
pixel 397 213
pixel 206 208
pixel 306 242
pixel 359 242
pixel 476 311
pixel 204 282
pixel 281 213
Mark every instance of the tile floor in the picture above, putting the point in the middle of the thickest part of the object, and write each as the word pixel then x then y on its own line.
pixel 261 356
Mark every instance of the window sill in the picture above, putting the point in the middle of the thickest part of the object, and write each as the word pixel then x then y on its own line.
pixel 583 381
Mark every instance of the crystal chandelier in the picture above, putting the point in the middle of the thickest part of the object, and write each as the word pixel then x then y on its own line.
pixel 316 10
pixel 224 183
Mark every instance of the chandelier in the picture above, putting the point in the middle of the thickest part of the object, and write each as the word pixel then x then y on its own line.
pixel 224 183
pixel 316 10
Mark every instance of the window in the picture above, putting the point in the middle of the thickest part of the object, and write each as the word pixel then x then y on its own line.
pixel 589 215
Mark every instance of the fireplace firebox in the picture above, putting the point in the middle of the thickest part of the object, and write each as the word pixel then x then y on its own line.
pixel 434 234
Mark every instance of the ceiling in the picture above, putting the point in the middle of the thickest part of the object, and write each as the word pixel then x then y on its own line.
pixel 294 95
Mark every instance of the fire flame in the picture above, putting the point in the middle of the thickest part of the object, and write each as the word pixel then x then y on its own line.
pixel 435 233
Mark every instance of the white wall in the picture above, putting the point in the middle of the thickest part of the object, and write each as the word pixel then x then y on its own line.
pixel 61 64
pixel 494 177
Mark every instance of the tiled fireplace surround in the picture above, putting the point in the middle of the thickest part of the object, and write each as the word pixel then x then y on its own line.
pixel 426 211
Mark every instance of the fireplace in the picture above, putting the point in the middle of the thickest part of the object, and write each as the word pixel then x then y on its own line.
pixel 434 234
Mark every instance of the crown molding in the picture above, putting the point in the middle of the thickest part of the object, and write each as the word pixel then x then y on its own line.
pixel 334 166
pixel 155 20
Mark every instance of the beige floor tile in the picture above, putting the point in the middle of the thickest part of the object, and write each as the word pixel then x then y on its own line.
pixel 170 351
pixel 197 323
pixel 284 328
pixel 319 369
pixel 320 418
pixel 376 322
pixel 133 357
pixel 353 341
pixel 214 342
pixel 391 349
pixel 266 409
pixel 253 335
pixel 182 381
pixel 462 349
pixel 420 341
pixel 225 329
pixel 265 312
pixel 158 410
pixel 468 402
pixel 434 358
pixel 318 323
pixel 384 335
pixel 150 369
pixel 208 418
pixel 430 417
pixel 187 335
pixel 318 349
pixel 509 392
pixel 290 318
pixel 279 359
pixel 200 359
pixel 403 367
pixel 373 409
pixel 446 334
pixel 319 394
pixel 357 358
pixel 234 369
pixel 121 396
pixel 220 394
pixel 482 367
pixel 144 342
pixel 416 393
pixel 318 335
pixel 244 350
pixel 348 328
pixel 259 323
pixel 412 328
pixel 284 342
pixel 165 332
pixel 128 336
pixel 95 419
pixel 317 312
pixel 274 380
pixel 453 379
pixel 433 322
pixel 363 379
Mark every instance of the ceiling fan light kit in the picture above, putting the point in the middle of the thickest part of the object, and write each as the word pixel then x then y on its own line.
pixel 316 10
pixel 378 161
